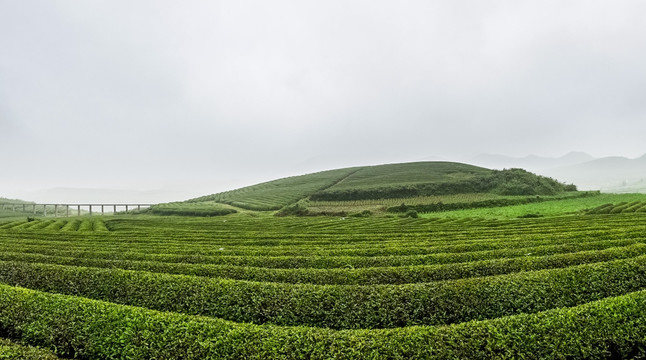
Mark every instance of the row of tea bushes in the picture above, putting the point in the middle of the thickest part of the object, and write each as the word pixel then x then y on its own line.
pixel 87 329
pixel 339 306
pixel 321 262
pixel 348 276
pixel 14 351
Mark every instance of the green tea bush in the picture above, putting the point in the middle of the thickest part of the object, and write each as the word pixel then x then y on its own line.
pixel 330 262
pixel 86 225
pixel 13 351
pixel 601 209
pixel 72 225
pixel 340 307
pixel 87 329
pixel 346 276
pixel 503 182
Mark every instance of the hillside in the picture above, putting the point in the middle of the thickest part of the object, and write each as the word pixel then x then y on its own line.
pixel 391 181
pixel 8 211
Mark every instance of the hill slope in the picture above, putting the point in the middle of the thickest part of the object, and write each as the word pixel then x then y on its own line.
pixel 273 195
pixel 387 182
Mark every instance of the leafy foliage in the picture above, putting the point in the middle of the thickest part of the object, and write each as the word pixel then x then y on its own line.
pixel 259 286
pixel 12 351
pixel 276 194
pixel 191 209
pixel 502 182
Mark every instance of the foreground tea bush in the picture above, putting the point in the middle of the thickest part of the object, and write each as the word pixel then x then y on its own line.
pixel 10 351
pixel 323 262
pixel 340 307
pixel 88 329
pixel 360 276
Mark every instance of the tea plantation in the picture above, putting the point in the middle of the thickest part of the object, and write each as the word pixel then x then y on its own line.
pixel 256 286
pixel 411 261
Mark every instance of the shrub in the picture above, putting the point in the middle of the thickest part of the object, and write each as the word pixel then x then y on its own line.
pixel 411 214
pixel 340 307
pixel 81 328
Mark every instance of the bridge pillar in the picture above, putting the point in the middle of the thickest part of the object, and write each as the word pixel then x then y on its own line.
pixel 45 210
pixel 67 210
pixel 101 209
pixel 115 209
pixel 24 207
pixel 78 210
pixel 55 210
pixel 34 208
pixel 90 210
pixel 138 207
pixel 126 208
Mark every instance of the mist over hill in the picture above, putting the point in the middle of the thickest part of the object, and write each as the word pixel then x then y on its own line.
pixel 532 163
pixel 608 174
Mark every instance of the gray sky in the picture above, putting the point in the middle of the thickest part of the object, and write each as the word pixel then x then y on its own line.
pixel 204 96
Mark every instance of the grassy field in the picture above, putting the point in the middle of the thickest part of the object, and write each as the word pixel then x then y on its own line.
pixel 255 286
pixel 547 208
pixel 382 205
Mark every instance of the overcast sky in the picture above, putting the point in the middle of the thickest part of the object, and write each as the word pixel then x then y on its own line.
pixel 212 95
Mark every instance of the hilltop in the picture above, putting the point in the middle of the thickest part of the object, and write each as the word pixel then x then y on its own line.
pixel 418 180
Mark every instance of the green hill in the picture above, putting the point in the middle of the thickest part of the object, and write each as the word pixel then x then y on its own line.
pixel 391 181
pixel 9 211
pixel 276 194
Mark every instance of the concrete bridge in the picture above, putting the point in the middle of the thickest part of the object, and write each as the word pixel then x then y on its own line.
pixel 65 208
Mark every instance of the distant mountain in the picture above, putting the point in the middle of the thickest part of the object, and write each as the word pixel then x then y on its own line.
pixel 612 174
pixel 608 174
pixel 532 162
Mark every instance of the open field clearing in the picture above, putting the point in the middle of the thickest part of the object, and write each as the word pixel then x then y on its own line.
pixel 243 286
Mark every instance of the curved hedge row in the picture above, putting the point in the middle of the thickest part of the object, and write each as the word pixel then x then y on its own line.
pixel 322 262
pixel 87 329
pixel 214 250
pixel 340 307
pixel 622 207
pixel 503 182
pixel 13 351
pixel 346 276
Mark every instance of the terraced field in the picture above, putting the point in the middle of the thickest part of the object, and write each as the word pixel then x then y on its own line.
pixel 273 195
pixel 57 224
pixel 264 287
pixel 414 183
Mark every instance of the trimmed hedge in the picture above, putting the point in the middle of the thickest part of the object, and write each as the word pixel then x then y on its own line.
pixel 13 351
pixel 87 329
pixel 438 207
pixel 340 307
pixel 346 276
pixel 327 262
pixel 190 211
pixel 403 245
pixel 503 182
